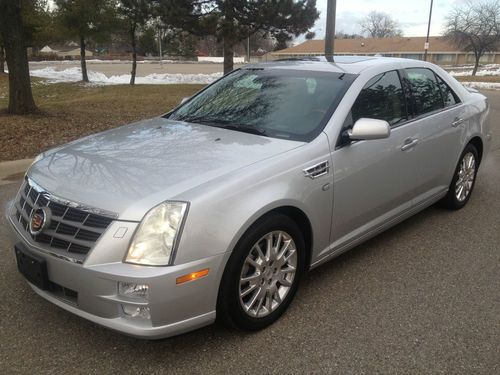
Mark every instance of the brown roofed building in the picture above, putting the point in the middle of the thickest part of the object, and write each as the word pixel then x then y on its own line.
pixel 441 51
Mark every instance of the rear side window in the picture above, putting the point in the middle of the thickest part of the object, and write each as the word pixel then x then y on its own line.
pixel 426 92
pixel 382 99
pixel 449 97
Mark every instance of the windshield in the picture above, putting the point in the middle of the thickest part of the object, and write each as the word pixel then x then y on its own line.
pixel 289 104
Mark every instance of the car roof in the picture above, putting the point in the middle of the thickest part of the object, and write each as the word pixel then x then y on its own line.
pixel 341 64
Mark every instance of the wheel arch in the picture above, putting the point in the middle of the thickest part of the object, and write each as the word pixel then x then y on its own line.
pixel 304 225
pixel 477 142
pixel 295 213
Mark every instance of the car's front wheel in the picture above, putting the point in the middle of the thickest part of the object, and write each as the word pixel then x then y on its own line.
pixel 463 180
pixel 263 274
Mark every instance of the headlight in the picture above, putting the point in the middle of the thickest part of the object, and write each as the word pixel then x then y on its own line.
pixel 156 239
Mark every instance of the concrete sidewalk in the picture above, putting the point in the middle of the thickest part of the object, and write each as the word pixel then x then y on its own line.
pixel 12 171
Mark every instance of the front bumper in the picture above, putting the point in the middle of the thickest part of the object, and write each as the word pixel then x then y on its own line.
pixel 174 309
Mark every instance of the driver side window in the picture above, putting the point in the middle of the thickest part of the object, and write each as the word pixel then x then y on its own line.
pixel 382 98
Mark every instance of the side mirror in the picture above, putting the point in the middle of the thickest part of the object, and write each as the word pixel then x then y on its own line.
pixel 184 100
pixel 369 128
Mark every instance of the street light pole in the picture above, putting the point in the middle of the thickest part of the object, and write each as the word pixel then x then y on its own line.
pixel 330 29
pixel 426 45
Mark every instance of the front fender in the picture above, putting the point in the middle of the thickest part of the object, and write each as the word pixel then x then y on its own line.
pixel 222 210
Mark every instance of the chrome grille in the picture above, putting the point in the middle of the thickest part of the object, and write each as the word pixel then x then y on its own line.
pixel 73 230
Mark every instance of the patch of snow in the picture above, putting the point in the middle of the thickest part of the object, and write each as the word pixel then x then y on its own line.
pixel 98 61
pixel 486 70
pixel 483 85
pixel 96 78
pixel 220 59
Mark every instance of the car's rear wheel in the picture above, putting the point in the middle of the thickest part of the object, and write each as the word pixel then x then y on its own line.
pixel 263 274
pixel 463 180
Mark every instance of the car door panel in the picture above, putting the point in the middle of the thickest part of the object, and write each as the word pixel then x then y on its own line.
pixel 439 149
pixel 374 180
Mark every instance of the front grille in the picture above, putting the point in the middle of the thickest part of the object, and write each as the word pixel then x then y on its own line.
pixel 72 232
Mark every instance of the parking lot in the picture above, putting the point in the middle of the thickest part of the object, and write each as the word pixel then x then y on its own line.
pixel 422 297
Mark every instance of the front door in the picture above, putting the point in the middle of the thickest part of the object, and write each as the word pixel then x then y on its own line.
pixel 374 180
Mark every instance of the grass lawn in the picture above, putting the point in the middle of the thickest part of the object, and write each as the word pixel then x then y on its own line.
pixel 70 110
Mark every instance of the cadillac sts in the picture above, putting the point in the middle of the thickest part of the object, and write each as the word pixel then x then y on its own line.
pixel 218 207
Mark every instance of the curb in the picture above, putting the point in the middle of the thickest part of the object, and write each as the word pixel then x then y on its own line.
pixel 13 171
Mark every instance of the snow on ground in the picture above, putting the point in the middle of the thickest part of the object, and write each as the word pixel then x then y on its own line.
pixel 483 85
pixel 486 70
pixel 74 75
pixel 96 78
pixel 97 61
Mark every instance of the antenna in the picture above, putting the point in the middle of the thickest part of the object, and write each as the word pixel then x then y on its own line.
pixel 330 29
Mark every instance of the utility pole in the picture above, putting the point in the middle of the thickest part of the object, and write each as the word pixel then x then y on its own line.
pixel 330 29
pixel 248 49
pixel 426 45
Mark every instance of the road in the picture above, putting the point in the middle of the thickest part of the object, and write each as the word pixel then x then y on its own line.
pixel 422 297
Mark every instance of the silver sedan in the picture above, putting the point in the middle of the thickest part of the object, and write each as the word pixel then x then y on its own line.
pixel 217 208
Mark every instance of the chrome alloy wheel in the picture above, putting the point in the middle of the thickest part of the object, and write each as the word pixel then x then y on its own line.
pixel 466 176
pixel 268 273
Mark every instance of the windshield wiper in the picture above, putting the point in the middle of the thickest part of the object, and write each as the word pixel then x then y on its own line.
pixel 224 124
pixel 245 129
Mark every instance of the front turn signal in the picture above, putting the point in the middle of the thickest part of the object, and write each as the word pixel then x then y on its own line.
pixel 192 276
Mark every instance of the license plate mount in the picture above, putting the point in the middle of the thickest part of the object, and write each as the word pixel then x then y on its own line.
pixel 32 267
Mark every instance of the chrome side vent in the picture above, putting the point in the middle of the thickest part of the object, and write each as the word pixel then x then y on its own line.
pixel 317 170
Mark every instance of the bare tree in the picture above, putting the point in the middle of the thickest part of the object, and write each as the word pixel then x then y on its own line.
pixel 343 35
pixel 475 27
pixel 380 25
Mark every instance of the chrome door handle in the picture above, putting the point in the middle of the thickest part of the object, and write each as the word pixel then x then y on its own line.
pixel 409 143
pixel 457 122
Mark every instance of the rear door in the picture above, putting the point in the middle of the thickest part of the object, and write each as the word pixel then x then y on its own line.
pixel 374 180
pixel 441 118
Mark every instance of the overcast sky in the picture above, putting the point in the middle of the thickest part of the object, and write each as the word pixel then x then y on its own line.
pixel 411 14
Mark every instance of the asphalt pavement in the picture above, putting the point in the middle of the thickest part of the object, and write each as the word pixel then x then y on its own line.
pixel 423 297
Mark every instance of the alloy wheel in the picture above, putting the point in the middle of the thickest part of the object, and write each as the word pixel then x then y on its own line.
pixel 466 176
pixel 268 274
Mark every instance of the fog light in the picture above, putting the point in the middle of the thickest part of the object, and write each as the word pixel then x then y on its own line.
pixel 136 311
pixel 131 290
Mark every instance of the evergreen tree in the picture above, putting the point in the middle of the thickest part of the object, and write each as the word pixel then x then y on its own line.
pixel 147 41
pixel 86 19
pixel 235 20
pixel 135 14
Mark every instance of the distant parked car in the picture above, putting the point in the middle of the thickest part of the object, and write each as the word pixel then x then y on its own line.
pixel 218 207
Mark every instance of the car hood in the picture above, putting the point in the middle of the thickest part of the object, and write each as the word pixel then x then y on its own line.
pixel 156 159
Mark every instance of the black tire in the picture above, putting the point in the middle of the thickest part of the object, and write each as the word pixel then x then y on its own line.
pixel 450 200
pixel 229 306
